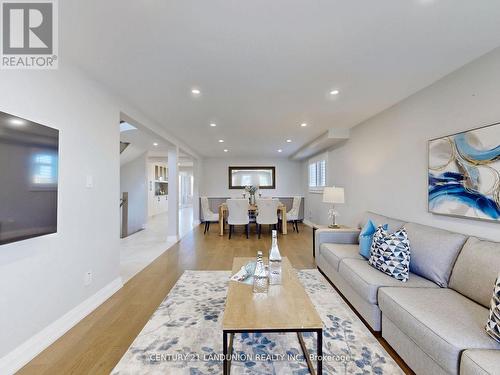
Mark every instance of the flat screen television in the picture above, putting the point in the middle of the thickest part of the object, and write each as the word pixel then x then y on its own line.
pixel 29 158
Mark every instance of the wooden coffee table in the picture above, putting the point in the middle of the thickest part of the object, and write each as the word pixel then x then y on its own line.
pixel 285 308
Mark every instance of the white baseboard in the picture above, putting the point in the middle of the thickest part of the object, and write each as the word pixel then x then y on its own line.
pixel 173 238
pixel 308 223
pixel 28 350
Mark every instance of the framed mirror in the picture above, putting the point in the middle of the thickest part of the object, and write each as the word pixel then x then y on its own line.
pixel 264 177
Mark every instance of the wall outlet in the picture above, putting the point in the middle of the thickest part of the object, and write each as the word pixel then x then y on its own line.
pixel 87 280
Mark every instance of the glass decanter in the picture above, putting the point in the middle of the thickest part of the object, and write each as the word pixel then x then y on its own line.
pixel 274 261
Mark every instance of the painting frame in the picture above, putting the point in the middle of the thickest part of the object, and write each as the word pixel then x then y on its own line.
pixel 465 176
pixel 35 151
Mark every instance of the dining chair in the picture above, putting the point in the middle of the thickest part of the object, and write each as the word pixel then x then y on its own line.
pixel 293 215
pixel 267 213
pixel 207 214
pixel 238 214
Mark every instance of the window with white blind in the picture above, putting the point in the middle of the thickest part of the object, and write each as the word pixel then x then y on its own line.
pixel 44 166
pixel 317 175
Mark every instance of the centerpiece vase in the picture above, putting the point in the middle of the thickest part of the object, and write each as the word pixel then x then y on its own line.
pixel 260 277
pixel 252 199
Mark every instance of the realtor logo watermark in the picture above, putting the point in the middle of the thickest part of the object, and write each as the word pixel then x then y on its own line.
pixel 29 34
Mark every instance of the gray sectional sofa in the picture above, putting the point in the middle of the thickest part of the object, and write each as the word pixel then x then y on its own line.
pixel 436 320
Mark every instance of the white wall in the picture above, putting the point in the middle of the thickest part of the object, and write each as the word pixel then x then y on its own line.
pixel 383 167
pixel 42 291
pixel 215 176
pixel 133 179
pixel 41 279
pixel 188 199
pixel 198 177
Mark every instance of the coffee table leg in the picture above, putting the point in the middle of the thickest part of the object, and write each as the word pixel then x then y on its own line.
pixel 314 242
pixel 230 353
pixel 306 353
pixel 224 352
pixel 320 351
pixel 227 351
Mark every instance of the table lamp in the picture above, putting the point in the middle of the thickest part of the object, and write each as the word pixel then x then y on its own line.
pixel 333 195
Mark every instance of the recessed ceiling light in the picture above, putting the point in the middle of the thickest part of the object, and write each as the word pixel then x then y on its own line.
pixel 195 91
pixel 155 144
pixel 334 92
pixel 226 150
pixel 288 141
pixel 17 121
pixel 280 150
pixel 221 141
pixel 303 124
pixel 213 124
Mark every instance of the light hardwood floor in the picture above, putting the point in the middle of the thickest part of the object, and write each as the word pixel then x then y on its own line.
pixel 96 344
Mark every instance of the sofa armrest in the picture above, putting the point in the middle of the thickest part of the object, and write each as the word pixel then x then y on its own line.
pixel 480 361
pixel 344 236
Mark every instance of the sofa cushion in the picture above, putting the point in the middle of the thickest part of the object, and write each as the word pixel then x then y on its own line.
pixel 393 224
pixel 475 271
pixel 440 321
pixel 433 252
pixel 480 362
pixel 334 253
pixel 366 280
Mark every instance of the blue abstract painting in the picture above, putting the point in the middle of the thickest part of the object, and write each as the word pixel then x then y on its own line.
pixel 464 174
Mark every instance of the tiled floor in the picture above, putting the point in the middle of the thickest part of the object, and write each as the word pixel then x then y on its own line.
pixel 141 248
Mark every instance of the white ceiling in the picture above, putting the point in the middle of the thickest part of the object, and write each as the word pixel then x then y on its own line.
pixel 264 67
pixel 142 141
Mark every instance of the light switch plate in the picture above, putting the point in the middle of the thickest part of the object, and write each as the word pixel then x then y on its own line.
pixel 89 183
pixel 87 278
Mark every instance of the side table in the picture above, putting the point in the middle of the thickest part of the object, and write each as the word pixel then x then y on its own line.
pixel 341 228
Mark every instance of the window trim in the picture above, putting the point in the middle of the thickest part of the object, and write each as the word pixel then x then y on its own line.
pixel 317 161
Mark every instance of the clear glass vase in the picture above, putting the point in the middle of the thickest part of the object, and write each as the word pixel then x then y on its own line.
pixel 260 278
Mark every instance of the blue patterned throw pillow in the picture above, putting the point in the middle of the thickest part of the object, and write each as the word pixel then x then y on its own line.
pixel 390 253
pixel 493 325
pixel 366 238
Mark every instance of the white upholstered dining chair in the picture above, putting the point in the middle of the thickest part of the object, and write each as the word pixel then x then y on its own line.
pixel 267 213
pixel 207 214
pixel 237 214
pixel 293 215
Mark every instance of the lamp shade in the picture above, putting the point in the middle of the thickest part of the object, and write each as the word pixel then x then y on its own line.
pixel 333 195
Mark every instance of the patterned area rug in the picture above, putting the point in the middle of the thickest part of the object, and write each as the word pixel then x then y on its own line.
pixel 184 336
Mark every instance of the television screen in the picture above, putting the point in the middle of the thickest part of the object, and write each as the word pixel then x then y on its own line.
pixel 29 155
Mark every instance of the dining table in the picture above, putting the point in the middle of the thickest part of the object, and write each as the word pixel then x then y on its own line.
pixel 223 211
